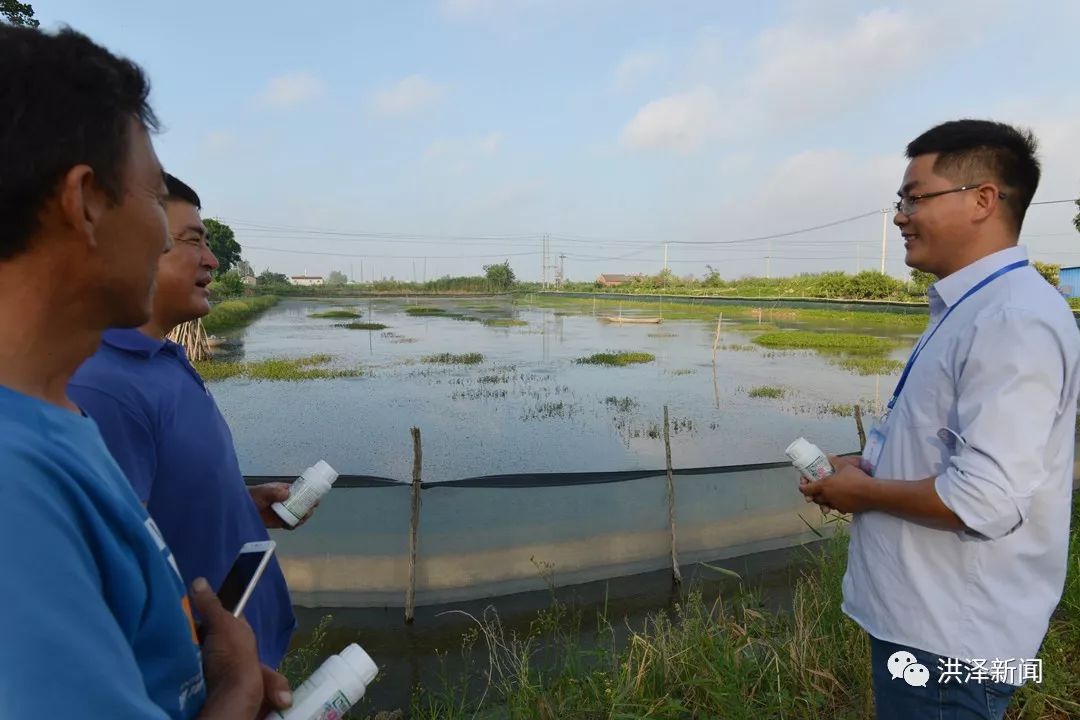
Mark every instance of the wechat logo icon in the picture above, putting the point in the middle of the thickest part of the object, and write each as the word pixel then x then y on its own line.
pixel 902 664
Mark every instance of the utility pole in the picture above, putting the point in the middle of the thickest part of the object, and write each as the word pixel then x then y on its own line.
pixel 884 236
pixel 768 262
pixel 665 255
pixel 560 278
pixel 543 261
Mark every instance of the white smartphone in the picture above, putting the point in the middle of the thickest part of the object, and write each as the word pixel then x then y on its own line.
pixel 248 567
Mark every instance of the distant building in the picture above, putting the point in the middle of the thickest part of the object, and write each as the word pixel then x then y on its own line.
pixel 607 280
pixel 1069 281
pixel 306 280
pixel 248 280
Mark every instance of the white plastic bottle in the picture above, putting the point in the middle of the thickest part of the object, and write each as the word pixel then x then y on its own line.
pixel 308 489
pixel 336 686
pixel 809 460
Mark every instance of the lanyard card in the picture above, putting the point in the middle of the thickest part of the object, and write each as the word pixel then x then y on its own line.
pixel 875 443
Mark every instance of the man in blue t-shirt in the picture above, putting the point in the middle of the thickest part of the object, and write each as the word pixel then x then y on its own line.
pixel 94 621
pixel 163 427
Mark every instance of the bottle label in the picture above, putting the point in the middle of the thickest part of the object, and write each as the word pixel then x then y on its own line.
pixel 302 497
pixel 819 469
pixel 334 708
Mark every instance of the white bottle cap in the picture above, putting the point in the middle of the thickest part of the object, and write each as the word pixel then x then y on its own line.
pixel 802 451
pixel 322 471
pixel 360 663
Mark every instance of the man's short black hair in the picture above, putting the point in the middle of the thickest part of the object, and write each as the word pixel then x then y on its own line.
pixel 971 151
pixel 64 101
pixel 179 190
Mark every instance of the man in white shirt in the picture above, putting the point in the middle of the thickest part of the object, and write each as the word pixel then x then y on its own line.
pixel 961 500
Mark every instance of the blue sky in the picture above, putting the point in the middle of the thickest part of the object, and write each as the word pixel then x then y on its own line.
pixel 461 131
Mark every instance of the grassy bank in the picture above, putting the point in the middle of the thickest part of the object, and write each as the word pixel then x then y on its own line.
pixel 715 658
pixel 743 314
pixel 231 314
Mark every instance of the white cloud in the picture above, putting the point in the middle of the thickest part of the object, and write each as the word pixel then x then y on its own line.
pixel 806 67
pixel 635 67
pixel 219 141
pixel 680 122
pixel 292 89
pixel 805 70
pixel 409 96
pixel 459 153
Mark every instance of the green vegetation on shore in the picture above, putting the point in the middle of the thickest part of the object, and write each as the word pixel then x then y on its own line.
pixel 715 657
pixel 913 322
pixel 231 314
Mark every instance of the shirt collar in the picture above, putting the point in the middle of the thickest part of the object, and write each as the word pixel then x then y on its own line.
pixel 133 341
pixel 949 289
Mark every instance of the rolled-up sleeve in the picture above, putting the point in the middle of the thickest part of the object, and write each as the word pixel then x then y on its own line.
pixel 1009 392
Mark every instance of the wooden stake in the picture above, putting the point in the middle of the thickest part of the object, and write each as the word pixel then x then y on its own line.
pixel 859 427
pixel 414 525
pixel 716 339
pixel 675 574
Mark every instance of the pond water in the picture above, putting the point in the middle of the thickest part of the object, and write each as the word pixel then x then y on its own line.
pixel 529 406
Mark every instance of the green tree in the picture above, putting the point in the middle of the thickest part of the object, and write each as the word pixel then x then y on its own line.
pixel 1076 220
pixel 271 278
pixel 227 285
pixel 222 241
pixel 500 276
pixel 336 278
pixel 1050 271
pixel 921 281
pixel 18 13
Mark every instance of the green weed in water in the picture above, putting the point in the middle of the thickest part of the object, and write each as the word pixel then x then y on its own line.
pixel 422 311
pixel 622 404
pixel 363 326
pixel 451 359
pixel 505 322
pixel 871 365
pixel 802 340
pixel 617 359
pixel 336 314
pixel 767 391
pixel 274 369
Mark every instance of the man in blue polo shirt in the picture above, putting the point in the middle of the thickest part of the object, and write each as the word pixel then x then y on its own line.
pixel 165 431
pixel 95 622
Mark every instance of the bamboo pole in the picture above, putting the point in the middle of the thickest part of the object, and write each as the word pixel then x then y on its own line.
pixel 414 525
pixel 192 337
pixel 675 574
pixel 859 427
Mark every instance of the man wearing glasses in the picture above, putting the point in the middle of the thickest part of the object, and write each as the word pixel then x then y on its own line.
pixel 962 497
pixel 166 433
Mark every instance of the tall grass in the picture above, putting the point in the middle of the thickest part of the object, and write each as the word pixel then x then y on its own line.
pixel 237 313
pixel 715 657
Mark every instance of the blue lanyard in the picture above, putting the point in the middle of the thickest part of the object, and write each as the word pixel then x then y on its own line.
pixel 919 348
